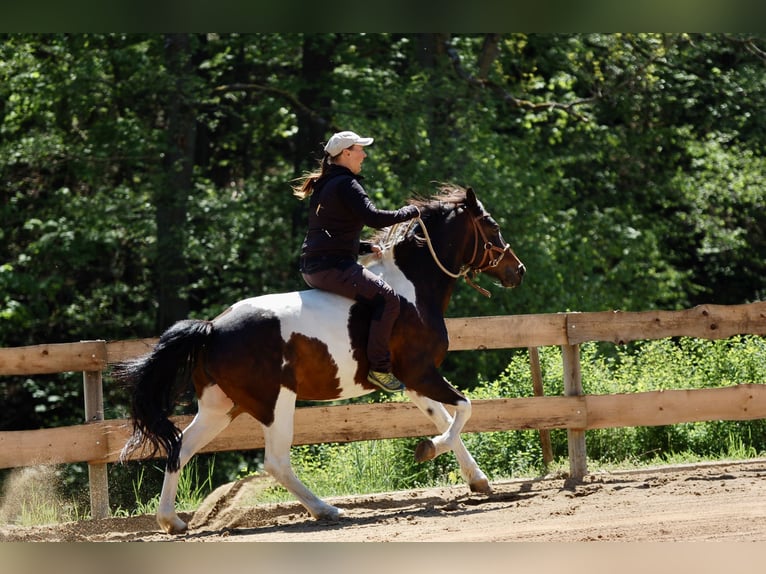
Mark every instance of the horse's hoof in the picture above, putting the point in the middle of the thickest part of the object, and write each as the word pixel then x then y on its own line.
pixel 425 450
pixel 481 486
pixel 331 513
pixel 173 525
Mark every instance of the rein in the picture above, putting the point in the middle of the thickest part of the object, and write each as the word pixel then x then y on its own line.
pixel 469 268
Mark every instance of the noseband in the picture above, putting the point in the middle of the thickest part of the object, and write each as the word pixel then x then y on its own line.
pixel 489 248
pixel 470 270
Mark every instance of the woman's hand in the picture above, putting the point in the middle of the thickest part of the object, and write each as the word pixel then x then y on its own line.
pixel 377 250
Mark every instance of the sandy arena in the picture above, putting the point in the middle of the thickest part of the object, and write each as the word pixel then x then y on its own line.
pixel 704 502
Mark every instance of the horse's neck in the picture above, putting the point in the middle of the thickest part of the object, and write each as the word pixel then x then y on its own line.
pixel 420 282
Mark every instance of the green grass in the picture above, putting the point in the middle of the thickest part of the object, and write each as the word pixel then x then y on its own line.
pixel 192 490
pixel 31 497
pixel 38 510
pixel 341 469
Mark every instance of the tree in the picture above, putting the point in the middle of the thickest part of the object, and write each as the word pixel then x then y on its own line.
pixel 175 184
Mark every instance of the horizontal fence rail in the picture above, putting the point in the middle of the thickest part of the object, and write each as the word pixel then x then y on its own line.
pixel 99 441
pixel 466 334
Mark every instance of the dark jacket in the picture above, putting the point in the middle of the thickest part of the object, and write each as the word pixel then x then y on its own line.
pixel 338 210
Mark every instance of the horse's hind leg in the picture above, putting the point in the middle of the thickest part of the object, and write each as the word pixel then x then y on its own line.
pixel 279 438
pixel 450 428
pixel 211 418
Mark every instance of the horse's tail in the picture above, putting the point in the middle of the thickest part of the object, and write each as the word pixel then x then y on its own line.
pixel 156 381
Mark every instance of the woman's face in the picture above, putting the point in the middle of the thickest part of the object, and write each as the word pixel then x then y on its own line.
pixel 352 158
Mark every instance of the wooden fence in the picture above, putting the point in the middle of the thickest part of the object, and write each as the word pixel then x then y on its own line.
pixel 99 441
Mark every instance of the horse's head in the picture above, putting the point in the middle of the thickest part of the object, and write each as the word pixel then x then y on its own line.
pixel 491 254
pixel 456 237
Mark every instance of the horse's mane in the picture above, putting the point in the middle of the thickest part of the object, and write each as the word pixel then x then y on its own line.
pixel 446 194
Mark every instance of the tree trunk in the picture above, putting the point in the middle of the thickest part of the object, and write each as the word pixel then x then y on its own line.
pixel 432 57
pixel 316 76
pixel 313 128
pixel 172 195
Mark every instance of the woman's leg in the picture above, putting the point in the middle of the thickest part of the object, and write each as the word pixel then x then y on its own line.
pixel 357 283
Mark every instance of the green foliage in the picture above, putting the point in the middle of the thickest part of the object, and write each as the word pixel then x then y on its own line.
pixel 623 168
pixel 664 364
pixel 723 189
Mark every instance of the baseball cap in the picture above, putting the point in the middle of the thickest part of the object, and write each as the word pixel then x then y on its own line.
pixel 341 140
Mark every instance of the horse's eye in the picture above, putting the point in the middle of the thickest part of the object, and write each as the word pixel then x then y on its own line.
pixel 491 222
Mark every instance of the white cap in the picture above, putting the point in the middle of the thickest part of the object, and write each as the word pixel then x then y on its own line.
pixel 342 140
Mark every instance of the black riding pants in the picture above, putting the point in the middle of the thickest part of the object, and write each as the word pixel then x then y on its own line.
pixel 357 283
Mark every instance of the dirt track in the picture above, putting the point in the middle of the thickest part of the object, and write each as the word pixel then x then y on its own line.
pixel 691 503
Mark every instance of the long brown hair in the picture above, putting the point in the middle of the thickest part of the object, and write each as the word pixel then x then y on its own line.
pixel 304 186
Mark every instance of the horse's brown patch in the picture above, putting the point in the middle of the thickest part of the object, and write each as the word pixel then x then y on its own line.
pixel 310 370
pixel 245 357
pixel 417 349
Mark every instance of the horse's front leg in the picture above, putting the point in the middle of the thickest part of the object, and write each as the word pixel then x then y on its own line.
pixel 450 427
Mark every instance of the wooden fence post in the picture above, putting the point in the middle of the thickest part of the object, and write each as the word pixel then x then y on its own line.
pixel 97 473
pixel 537 384
pixel 578 463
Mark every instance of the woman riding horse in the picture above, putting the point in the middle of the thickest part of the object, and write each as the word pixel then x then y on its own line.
pixel 338 210
pixel 265 353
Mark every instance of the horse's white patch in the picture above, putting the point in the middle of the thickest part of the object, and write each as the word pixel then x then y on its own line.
pixel 319 315
pixel 391 274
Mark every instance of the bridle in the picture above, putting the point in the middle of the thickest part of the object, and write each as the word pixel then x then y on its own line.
pixel 489 248
pixel 470 270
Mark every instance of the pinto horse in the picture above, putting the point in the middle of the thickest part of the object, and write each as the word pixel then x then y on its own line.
pixel 264 353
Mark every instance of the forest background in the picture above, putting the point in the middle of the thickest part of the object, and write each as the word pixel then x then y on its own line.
pixel 145 178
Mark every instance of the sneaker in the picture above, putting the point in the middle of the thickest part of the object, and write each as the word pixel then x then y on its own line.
pixel 385 381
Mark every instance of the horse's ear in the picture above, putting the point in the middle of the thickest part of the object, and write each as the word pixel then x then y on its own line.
pixel 470 198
